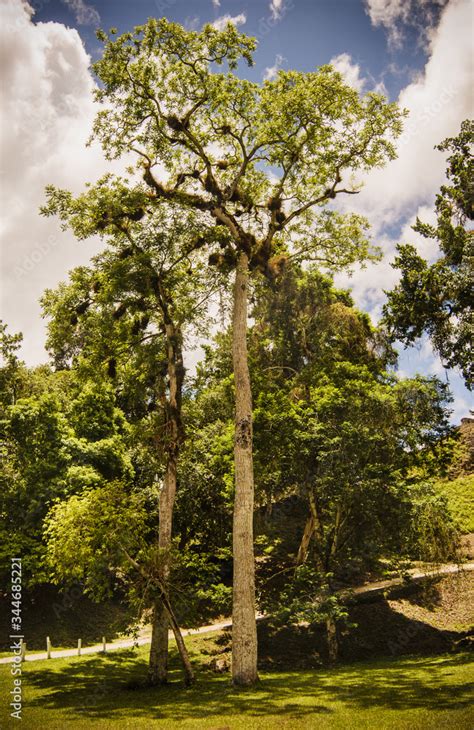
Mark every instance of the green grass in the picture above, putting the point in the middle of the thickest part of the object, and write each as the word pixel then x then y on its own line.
pixel 421 693
pixel 460 495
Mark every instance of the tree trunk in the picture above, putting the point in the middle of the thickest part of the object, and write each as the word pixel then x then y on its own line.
pixel 158 659
pixel 244 627
pixel 183 652
pixel 331 634
pixel 305 541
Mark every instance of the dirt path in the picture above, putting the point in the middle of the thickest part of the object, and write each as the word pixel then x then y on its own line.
pixel 415 575
pixel 119 644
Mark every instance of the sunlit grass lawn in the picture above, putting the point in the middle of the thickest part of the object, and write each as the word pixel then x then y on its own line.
pixel 94 691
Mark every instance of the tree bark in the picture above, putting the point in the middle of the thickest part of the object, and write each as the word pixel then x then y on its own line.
pixel 332 641
pixel 183 652
pixel 244 627
pixel 158 659
pixel 305 541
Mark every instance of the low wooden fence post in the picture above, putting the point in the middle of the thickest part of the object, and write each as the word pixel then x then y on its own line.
pixel 48 647
pixel 79 646
pixel 104 647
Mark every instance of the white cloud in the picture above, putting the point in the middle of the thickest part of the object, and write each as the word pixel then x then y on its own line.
pixel 437 101
pixel 368 284
pixel 276 9
pixel 427 247
pixel 461 408
pixel 47 99
pixel 271 71
pixel 216 3
pixel 396 15
pixel 388 13
pixel 350 71
pixel 380 88
pixel 221 23
pixel 85 14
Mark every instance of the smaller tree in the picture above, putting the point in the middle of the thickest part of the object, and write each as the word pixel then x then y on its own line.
pixel 99 538
pixel 130 311
pixel 437 299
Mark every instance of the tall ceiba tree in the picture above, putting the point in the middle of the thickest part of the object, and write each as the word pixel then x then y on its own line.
pixel 437 299
pixel 258 163
pixel 128 315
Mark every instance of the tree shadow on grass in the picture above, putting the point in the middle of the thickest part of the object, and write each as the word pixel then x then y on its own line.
pixel 378 631
pixel 105 687
pixel 100 688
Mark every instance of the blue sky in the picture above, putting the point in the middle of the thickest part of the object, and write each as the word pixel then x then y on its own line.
pixel 417 52
pixel 309 33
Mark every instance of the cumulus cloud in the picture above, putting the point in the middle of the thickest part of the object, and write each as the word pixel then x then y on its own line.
pixel 396 15
pixel 85 14
pixel 271 71
pixel 350 71
pixel 368 284
pixel 437 102
pixel 47 98
pixel 236 20
pixel 216 3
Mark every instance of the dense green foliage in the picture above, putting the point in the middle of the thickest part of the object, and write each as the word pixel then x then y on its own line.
pixel 460 495
pixel 335 432
pixel 337 438
pixel 59 436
